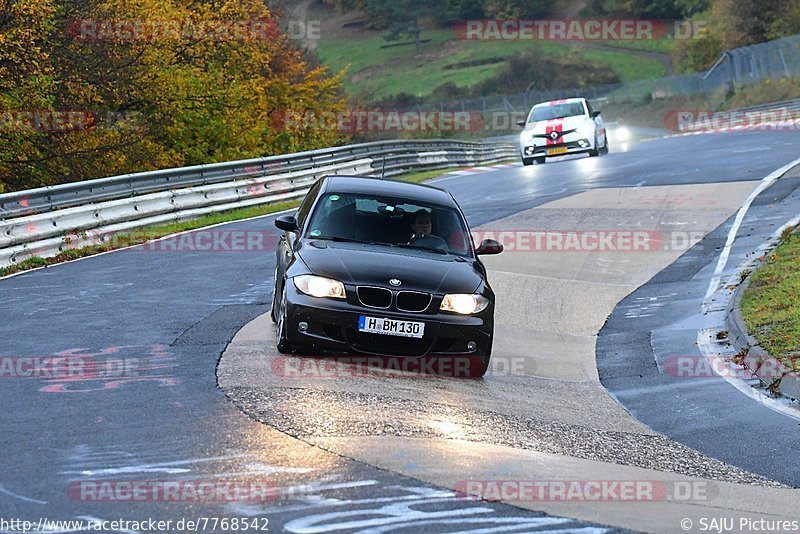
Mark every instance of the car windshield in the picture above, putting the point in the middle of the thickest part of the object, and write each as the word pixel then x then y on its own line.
pixel 391 221
pixel 555 111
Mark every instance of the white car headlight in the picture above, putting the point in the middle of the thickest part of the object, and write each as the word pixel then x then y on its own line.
pixel 621 133
pixel 464 304
pixel 586 129
pixel 317 286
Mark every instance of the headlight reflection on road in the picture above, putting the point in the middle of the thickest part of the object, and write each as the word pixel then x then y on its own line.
pixel 450 429
pixel 587 164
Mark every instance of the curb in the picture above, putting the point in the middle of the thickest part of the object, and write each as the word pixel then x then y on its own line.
pixel 756 357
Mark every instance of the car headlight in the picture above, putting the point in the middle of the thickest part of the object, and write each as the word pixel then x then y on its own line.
pixel 621 133
pixel 464 304
pixel 586 129
pixel 317 286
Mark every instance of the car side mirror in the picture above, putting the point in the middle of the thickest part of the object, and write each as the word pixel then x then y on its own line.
pixel 595 114
pixel 489 246
pixel 521 123
pixel 287 222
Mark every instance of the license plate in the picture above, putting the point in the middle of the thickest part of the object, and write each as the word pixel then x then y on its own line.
pixel 390 327
pixel 556 151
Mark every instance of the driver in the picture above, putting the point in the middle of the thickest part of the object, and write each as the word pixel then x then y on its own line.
pixel 422 225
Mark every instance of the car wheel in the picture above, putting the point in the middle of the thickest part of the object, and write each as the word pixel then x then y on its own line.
pixel 480 369
pixel 281 342
pixel 595 151
pixel 604 150
pixel 540 160
pixel 527 161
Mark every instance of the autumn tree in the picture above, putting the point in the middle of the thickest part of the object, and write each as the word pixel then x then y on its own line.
pixel 201 82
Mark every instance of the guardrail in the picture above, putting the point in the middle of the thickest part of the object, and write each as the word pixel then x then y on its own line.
pixel 786 105
pixel 127 185
pixel 46 221
pixel 768 116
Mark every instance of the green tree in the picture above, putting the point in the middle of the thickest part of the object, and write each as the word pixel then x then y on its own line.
pixel 345 6
pixel 664 9
pixel 401 17
pixel 514 9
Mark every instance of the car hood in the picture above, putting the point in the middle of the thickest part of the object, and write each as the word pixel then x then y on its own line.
pixel 361 264
pixel 559 125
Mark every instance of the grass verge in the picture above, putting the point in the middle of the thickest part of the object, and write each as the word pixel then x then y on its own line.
pixel 142 235
pixel 764 93
pixel 422 176
pixel 771 303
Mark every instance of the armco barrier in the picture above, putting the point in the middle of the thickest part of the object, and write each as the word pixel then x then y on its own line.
pixel 43 222
pixel 50 198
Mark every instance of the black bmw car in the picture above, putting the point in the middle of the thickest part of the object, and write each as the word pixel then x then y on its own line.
pixel 380 267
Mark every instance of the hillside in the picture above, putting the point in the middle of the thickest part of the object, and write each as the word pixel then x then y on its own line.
pixel 377 68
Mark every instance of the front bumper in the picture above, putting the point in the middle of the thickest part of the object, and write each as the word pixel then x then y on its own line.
pixel 331 325
pixel 530 150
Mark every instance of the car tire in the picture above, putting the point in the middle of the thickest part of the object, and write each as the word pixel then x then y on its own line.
pixel 479 370
pixel 604 150
pixel 540 160
pixel 527 161
pixel 281 342
pixel 595 151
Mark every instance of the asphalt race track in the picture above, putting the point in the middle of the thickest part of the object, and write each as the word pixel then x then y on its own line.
pixel 147 327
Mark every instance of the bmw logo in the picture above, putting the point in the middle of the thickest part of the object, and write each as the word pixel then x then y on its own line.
pixel 395 282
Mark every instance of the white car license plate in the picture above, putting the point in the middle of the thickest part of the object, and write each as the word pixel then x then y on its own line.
pixel 390 327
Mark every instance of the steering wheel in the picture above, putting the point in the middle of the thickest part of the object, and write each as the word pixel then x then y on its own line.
pixel 431 241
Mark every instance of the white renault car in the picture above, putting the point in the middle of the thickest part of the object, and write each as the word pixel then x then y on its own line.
pixel 561 127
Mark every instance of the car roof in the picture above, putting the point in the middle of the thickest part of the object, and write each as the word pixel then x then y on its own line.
pixel 378 186
pixel 562 101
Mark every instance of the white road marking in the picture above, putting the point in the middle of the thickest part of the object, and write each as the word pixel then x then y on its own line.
pixel 723 259
pixel 706 336
pixel 163 467
pixel 20 497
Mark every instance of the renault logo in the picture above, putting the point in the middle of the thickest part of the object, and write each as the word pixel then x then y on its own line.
pixel 395 282
pixel 554 135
